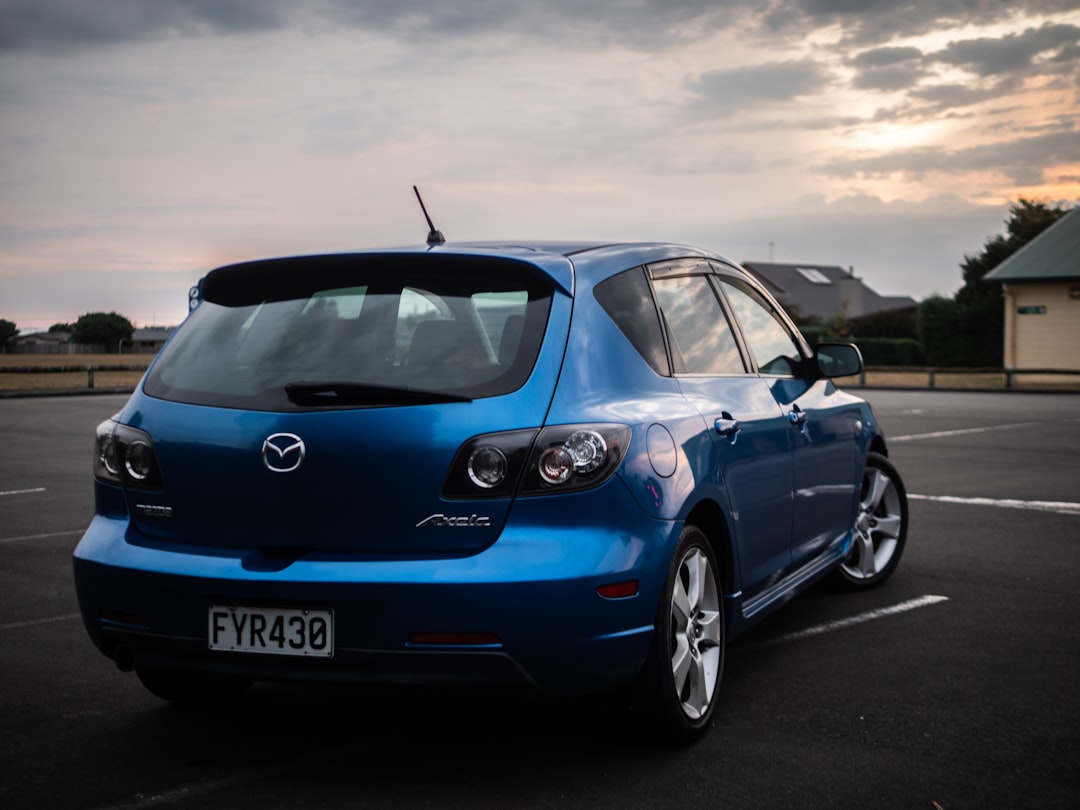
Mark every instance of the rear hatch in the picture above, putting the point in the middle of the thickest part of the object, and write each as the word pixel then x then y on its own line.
pixel 317 404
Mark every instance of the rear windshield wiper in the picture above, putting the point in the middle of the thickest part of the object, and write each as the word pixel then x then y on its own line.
pixel 351 393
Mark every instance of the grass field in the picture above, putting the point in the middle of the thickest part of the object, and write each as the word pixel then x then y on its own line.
pixel 13 381
pixel 16 381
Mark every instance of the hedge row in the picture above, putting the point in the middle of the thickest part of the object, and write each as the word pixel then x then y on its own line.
pixel 957 351
pixel 890 351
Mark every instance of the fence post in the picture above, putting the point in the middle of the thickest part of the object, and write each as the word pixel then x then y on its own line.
pixel 89 376
pixel 930 381
pixel 1008 378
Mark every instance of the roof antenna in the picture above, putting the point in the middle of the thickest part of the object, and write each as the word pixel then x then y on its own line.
pixel 434 236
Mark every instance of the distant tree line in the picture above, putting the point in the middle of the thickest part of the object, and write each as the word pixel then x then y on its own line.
pixel 108 329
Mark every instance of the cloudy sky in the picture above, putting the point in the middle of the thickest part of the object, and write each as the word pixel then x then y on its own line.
pixel 144 142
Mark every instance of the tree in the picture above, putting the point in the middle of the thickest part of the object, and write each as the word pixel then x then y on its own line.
pixel 935 323
pixel 8 333
pixel 105 328
pixel 891 323
pixel 979 310
pixel 62 327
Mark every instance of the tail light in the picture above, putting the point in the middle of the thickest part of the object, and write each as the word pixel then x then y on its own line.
pixel 564 458
pixel 125 455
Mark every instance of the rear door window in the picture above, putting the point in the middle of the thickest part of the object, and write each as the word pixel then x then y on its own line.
pixel 699 333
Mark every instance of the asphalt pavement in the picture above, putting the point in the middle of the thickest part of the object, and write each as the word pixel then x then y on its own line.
pixel 955 685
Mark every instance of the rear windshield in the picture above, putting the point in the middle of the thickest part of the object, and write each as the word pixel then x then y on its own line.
pixel 360 331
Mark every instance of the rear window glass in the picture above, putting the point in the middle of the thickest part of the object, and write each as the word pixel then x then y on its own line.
pixel 370 331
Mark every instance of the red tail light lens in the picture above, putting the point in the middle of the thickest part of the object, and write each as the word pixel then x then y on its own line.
pixel 569 458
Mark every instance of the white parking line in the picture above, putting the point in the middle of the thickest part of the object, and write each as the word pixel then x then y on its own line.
pixel 182 793
pixel 860 618
pixel 39 536
pixel 22 491
pixel 942 434
pixel 179 795
pixel 1060 507
pixel 34 622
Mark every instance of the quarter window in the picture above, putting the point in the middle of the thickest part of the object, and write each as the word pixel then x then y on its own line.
pixel 626 298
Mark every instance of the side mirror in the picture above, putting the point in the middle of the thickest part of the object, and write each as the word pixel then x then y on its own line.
pixel 838 359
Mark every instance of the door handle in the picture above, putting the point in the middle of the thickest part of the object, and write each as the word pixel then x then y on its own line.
pixel 727 425
pixel 797 416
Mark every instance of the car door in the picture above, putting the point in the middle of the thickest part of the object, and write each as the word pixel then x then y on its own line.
pixel 750 435
pixel 822 423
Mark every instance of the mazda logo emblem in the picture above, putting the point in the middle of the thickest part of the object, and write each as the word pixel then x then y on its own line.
pixel 283 452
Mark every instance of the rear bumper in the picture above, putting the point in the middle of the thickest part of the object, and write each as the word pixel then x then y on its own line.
pixel 535 593
pixel 133 648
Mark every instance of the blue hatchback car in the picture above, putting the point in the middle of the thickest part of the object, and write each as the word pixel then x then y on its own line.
pixel 567 465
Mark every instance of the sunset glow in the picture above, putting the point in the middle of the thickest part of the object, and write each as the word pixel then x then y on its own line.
pixel 138 151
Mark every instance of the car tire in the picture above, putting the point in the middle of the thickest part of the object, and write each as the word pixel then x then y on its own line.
pixel 880 529
pixel 191 688
pixel 682 676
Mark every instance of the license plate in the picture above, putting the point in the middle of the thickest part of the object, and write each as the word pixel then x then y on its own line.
pixel 273 631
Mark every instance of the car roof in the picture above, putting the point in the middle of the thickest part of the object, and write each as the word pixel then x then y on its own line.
pixel 562 261
pixel 581 251
pixel 591 260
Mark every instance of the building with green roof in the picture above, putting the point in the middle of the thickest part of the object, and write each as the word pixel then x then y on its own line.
pixel 1041 285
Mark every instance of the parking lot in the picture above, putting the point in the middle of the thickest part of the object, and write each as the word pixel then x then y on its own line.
pixel 954 685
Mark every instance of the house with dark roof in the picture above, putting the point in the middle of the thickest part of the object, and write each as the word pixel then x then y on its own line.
pixel 148 340
pixel 44 343
pixel 823 291
pixel 1041 286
